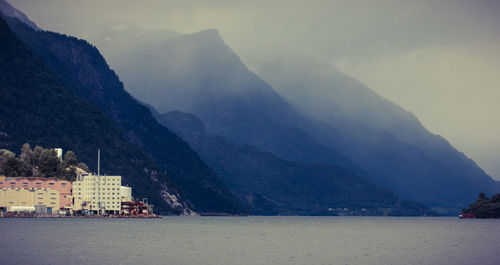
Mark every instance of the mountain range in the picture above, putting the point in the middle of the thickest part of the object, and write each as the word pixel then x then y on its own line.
pixel 36 107
pixel 269 185
pixel 217 138
pixel 311 114
pixel 80 67
pixel 387 141
pixel 199 74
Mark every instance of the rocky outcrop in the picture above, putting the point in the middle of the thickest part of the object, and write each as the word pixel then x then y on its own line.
pixel 484 207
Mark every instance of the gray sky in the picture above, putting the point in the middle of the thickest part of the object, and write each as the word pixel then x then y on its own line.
pixel 437 59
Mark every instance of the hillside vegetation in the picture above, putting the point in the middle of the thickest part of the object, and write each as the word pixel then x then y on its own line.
pixel 81 68
pixel 35 107
pixel 40 162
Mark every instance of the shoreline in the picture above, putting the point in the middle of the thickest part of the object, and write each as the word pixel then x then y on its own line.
pixel 148 216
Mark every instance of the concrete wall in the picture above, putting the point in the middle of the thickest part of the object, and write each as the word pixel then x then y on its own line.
pixel 47 197
pixel 29 198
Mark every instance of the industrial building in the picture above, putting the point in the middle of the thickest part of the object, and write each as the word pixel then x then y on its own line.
pixel 97 194
pixel 89 194
pixel 21 199
pixel 126 194
pixel 63 187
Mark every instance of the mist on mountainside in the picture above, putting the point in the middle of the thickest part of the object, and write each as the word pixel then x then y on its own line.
pixel 436 60
pixel 305 97
pixel 310 109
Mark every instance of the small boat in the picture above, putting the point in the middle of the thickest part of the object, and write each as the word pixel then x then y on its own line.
pixel 466 216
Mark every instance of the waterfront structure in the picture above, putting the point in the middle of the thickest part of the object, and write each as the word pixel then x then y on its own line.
pixel 21 198
pixel 63 187
pixel 126 194
pixel 97 194
pixel 48 197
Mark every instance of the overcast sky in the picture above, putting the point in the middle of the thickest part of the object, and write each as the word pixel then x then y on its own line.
pixel 437 59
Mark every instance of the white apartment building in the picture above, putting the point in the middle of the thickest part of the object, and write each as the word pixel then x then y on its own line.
pixel 99 194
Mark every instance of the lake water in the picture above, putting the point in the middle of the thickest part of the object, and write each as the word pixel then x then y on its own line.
pixel 250 240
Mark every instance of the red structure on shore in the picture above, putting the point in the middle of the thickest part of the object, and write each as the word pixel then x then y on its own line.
pixel 466 216
pixel 135 208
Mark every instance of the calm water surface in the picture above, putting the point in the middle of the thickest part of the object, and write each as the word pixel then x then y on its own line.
pixel 250 240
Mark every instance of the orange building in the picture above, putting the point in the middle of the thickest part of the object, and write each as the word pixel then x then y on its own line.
pixel 62 186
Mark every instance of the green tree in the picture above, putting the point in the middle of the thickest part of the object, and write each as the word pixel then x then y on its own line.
pixel 27 156
pixel 14 167
pixel 49 165
pixel 70 159
pixel 70 174
pixel 26 152
pixel 5 155
pixel 36 153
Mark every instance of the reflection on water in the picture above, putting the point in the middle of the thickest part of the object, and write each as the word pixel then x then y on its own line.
pixel 250 240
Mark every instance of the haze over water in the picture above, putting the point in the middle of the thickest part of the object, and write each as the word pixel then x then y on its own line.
pixel 251 240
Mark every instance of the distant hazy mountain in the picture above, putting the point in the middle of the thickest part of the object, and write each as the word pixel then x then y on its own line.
pixel 199 74
pixel 270 185
pixel 386 140
pixel 116 39
pixel 10 11
pixel 80 66
pixel 36 108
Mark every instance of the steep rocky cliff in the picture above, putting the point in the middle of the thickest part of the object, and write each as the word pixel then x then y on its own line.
pixel 36 107
pixel 81 67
